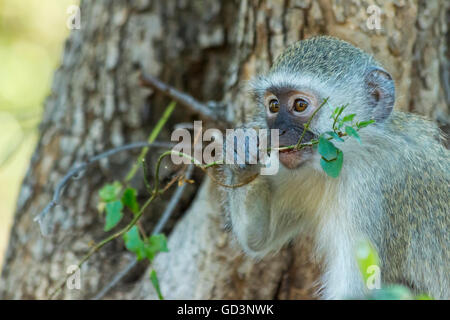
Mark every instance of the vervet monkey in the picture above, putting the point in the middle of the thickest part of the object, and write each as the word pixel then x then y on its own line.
pixel 393 188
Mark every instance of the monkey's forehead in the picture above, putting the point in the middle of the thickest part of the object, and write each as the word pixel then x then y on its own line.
pixel 324 56
pixel 282 81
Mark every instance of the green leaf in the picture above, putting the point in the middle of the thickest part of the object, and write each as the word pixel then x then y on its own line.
pixel 363 124
pixel 109 192
pixel 334 135
pixel 134 243
pixel 335 111
pixel 129 199
pixel 327 149
pixel 333 167
pixel 352 133
pixel 147 248
pixel 155 282
pixel 113 214
pixel 366 256
pixel 349 117
pixel 159 241
pixel 340 110
pixel 423 297
pixel 392 292
pixel 156 243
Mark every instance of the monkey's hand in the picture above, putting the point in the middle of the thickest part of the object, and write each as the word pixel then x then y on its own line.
pixel 241 153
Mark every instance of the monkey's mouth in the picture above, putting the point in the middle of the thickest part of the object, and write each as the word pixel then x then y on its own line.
pixel 292 158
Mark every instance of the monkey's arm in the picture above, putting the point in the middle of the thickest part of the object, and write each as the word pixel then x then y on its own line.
pixel 248 210
pixel 257 227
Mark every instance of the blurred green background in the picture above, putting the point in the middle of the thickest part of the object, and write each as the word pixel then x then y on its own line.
pixel 32 34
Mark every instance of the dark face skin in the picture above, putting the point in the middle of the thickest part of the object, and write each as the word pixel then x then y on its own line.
pixel 288 111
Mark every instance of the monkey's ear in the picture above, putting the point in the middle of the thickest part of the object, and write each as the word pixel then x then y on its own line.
pixel 381 93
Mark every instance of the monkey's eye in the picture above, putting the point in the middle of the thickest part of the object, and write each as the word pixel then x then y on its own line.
pixel 300 105
pixel 274 105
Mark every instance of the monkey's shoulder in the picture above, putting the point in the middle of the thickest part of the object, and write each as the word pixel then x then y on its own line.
pixel 414 124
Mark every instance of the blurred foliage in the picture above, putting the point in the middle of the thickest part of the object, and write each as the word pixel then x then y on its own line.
pixel 367 258
pixel 31 38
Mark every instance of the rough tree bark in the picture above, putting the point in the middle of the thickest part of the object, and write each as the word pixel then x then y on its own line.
pixel 206 48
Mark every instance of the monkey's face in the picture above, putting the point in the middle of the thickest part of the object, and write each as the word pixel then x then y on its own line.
pixel 288 111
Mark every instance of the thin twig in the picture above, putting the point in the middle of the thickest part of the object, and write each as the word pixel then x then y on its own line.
pixel 153 135
pixel 308 123
pixel 84 165
pixel 337 116
pixel 232 186
pixel 181 97
pixel 157 229
pixel 173 202
pixel 145 169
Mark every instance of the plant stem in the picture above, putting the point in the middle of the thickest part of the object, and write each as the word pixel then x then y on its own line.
pixel 297 146
pixel 153 135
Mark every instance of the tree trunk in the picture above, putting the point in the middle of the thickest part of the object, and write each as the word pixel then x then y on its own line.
pixel 208 49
